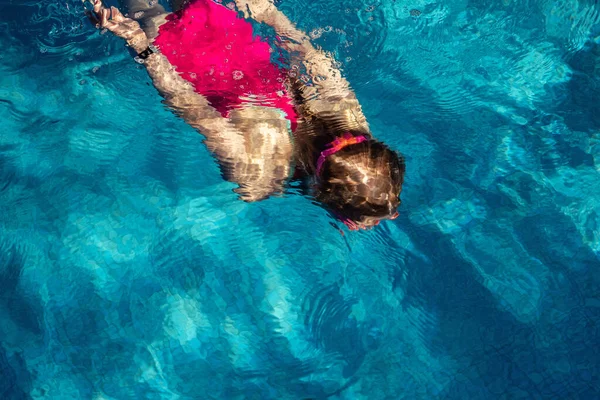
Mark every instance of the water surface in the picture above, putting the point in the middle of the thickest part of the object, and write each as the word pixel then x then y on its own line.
pixel 129 270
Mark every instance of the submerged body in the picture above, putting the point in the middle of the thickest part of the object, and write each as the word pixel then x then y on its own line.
pixel 262 123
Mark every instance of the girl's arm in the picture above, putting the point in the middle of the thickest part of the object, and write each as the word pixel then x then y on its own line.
pixel 222 137
pixel 329 96
pixel 177 92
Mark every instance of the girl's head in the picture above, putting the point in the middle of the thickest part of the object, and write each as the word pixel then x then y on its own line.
pixel 361 181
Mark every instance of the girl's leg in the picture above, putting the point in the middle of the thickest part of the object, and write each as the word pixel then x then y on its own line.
pixel 149 13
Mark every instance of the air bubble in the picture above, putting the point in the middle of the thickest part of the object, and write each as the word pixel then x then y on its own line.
pixel 316 33
pixel 237 75
pixel 193 75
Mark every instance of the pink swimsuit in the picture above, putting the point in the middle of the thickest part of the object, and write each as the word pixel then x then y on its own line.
pixel 217 52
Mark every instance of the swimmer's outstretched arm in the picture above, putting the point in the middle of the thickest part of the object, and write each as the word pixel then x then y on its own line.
pixel 222 138
pixel 177 92
pixel 330 96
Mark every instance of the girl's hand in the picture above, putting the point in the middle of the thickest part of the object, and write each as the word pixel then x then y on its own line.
pixel 265 11
pixel 258 10
pixel 114 21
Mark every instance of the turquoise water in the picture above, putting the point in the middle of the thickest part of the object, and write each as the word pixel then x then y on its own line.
pixel 128 269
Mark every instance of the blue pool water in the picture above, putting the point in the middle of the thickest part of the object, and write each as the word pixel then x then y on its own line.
pixel 128 269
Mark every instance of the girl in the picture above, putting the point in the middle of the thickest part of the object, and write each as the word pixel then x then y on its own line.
pixel 217 75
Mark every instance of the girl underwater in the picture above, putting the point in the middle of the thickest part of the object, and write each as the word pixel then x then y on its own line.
pixel 260 120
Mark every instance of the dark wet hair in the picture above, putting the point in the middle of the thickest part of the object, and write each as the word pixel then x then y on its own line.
pixel 362 180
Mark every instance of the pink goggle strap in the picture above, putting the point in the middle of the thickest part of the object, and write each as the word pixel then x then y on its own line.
pixel 338 144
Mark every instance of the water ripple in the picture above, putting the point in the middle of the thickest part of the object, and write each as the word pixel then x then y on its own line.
pixel 572 22
pixel 124 257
